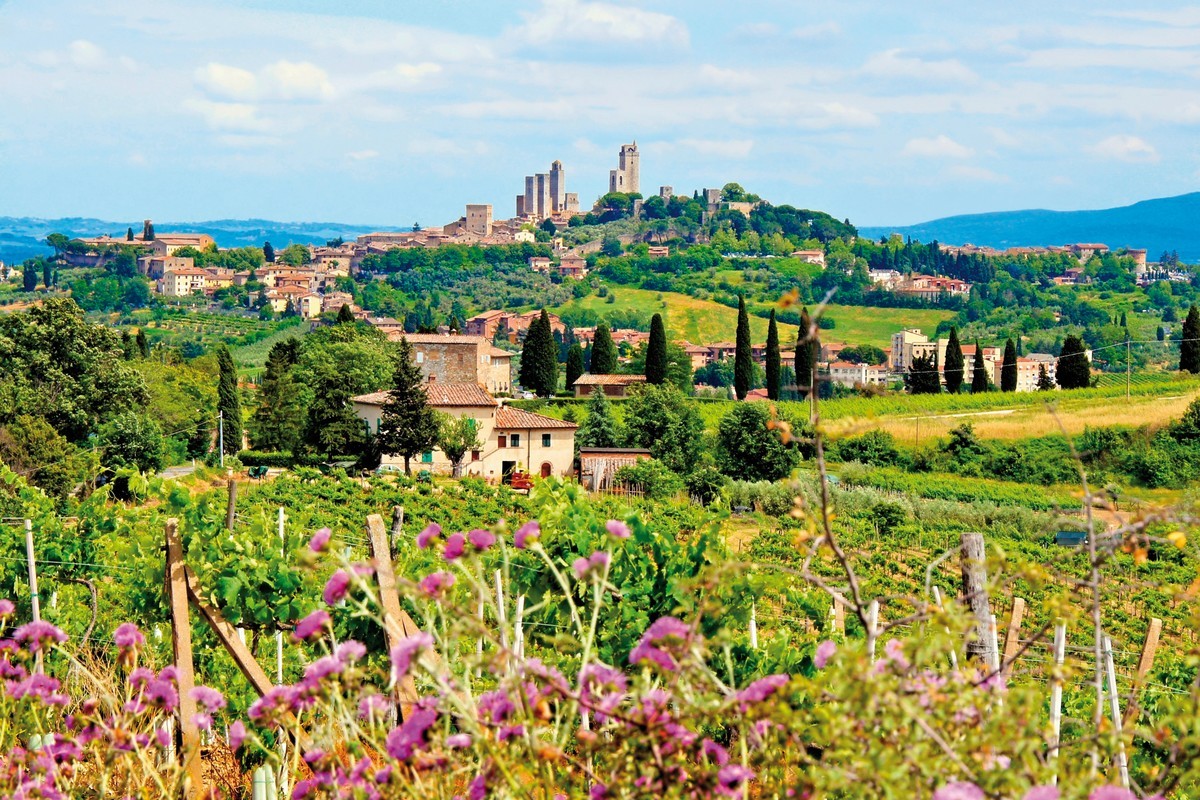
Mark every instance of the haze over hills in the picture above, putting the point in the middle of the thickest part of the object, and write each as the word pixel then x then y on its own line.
pixel 24 237
pixel 1168 223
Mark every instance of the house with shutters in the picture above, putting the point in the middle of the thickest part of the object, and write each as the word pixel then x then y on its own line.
pixel 511 439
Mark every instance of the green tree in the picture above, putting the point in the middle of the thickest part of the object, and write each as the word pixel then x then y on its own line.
pixel 31 447
pixel 47 273
pixel 143 345
pixel 1074 369
pixel 806 361
pixel 548 226
pixel 604 353
pixel 748 450
pixel 955 367
pixel 574 364
pixel 599 427
pixel 129 234
pixel 1044 384
pixel 59 242
pixel 1189 343
pixel 656 352
pixel 1160 333
pixel 773 363
pixel 457 435
pixel 408 425
pixel 133 440
pixel 268 253
pixel 743 362
pixel 29 275
pixel 662 420
pixel 294 255
pixel 922 376
pixel 979 377
pixel 539 358
pixel 277 425
pixel 1008 368
pixel 229 403
pixel 345 315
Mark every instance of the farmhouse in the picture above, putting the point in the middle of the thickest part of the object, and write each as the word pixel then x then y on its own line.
pixel 611 385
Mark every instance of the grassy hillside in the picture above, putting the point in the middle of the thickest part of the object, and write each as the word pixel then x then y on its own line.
pixel 704 321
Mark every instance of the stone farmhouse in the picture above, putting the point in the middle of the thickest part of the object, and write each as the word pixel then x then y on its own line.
pixel 460 359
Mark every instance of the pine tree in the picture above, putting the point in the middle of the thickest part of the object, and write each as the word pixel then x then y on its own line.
pixel 656 352
pixel 345 314
pixel 604 353
pixel 1074 370
pixel 127 346
pixel 1008 368
pixel 743 364
pixel 574 364
pixel 955 365
pixel 806 362
pixel 599 428
pixel 229 404
pixel 277 424
pixel 539 358
pixel 1189 345
pixel 408 425
pixel 1124 320
pixel 143 346
pixel 1044 384
pixel 922 376
pixel 268 253
pixel 773 363
pixel 979 378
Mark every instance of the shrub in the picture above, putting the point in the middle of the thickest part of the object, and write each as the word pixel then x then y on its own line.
pixel 873 447
pixel 653 477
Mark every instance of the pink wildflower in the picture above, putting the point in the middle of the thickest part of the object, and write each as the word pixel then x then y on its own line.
pixel 237 735
pixel 320 540
pixel 209 698
pixel 455 545
pixel 480 539
pixel 311 625
pixel 406 650
pixel 127 636
pixel 960 790
pixel 403 741
pixel 527 534
pixel 436 583
pixel 336 586
pixel 431 532
pixel 7 608
pixel 825 651
pixel 38 634
pixel 1042 793
pixel 731 778
pixel 664 630
pixel 1111 793
pixel 760 690
pixel 617 528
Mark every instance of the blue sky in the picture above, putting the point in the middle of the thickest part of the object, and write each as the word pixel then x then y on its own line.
pixel 383 112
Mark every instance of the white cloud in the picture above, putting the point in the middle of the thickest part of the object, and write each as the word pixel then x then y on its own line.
pixel 837 115
pixel 226 82
pixel 402 76
pixel 940 146
pixel 83 53
pixel 240 117
pixel 720 148
pixel 891 64
pixel 966 172
pixel 818 31
pixel 1123 147
pixel 574 20
pixel 362 155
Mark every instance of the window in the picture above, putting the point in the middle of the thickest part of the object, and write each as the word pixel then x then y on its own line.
pixel 545 440
pixel 514 440
pixel 502 441
pixel 427 457
pixel 420 357
pixel 475 455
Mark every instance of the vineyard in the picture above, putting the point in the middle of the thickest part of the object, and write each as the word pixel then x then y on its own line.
pixel 199 331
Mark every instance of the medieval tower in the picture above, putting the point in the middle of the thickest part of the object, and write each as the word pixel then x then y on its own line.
pixel 626 177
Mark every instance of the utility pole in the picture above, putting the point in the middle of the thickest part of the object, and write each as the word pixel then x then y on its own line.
pixel 221 436
pixel 1128 365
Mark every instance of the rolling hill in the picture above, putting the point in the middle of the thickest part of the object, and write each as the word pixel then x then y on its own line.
pixel 1168 223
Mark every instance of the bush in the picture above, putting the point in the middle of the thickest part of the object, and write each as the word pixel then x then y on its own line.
pixel 705 484
pixel 260 458
pixel 873 447
pixel 653 477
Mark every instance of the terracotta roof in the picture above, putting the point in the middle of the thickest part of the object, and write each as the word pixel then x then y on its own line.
pixel 632 451
pixel 508 418
pixel 441 395
pixel 589 379
pixel 438 338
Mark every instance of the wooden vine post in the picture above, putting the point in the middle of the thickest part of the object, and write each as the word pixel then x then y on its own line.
pixel 397 623
pixel 981 645
pixel 1012 639
pixel 181 641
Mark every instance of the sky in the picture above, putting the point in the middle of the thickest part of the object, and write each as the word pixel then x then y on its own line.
pixel 391 112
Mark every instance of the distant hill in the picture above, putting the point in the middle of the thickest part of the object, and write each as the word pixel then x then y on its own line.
pixel 23 237
pixel 1169 223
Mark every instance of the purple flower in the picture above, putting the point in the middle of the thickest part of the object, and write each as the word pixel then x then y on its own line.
pixel 202 720
pixel 210 698
pixel 714 752
pixel 7 608
pixel 480 539
pixel 311 625
pixel 617 528
pixel 731 777
pixel 664 630
pixel 760 690
pixel 459 740
pixel 336 586
pixel 436 583
pixel 431 532
pixel 598 791
pixel 825 651
pixel 580 566
pixel 495 707
pixel 527 534
pixel 349 651
pixel 320 540
pixel 237 735
pixel 1111 793
pixel 455 545
pixel 127 636
pixel 1042 793
pixel 406 650
pixel 373 706
pixel 38 634
pixel 478 789
pixel 595 563
pixel 321 669
pixel 961 790
pixel 403 741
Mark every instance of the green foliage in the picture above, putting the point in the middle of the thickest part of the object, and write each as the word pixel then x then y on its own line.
pixel 747 449
pixel 922 376
pixel 743 371
pixel 133 440
pixel 604 353
pixel 979 377
pixel 456 436
pixel 954 368
pixel 705 484
pixel 806 356
pixel 662 420
pixel 278 422
pixel 1074 370
pixel 599 428
pixel 229 402
pixel 655 478
pixel 656 352
pixel 1189 344
pixel 1008 368
pixel 874 447
pixel 539 358
pixel 773 363
pixel 34 450
pixel 408 425
pixel 574 364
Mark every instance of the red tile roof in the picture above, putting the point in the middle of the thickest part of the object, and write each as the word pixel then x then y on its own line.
pixel 441 395
pixel 508 418
pixel 589 379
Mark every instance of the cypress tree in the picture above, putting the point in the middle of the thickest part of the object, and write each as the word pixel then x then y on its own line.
pixel 574 364
pixel 773 360
pixel 48 273
pixel 345 314
pixel 805 352
pixel 922 376
pixel 1074 370
pixel 1044 383
pixel 1124 320
pixel 268 253
pixel 604 353
pixel 1160 334
pixel 599 428
pixel 743 366
pixel 143 346
pixel 1008 368
pixel 656 352
pixel 955 365
pixel 277 424
pixel 979 378
pixel 408 425
pixel 1189 345
pixel 539 358
pixel 129 234
pixel 228 402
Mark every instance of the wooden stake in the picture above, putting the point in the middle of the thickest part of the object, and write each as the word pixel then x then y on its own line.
pixel 397 523
pixel 1115 707
pixel 1012 639
pixel 1149 648
pixel 839 617
pixel 937 599
pixel 519 628
pixel 228 636
pixel 1056 687
pixel 397 623
pixel 754 626
pixel 872 628
pixel 981 645
pixel 181 640
pixel 231 508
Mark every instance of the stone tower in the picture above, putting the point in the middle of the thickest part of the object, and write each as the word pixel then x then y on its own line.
pixel 558 187
pixel 627 176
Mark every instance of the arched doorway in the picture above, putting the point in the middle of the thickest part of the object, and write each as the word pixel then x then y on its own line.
pixel 546 469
